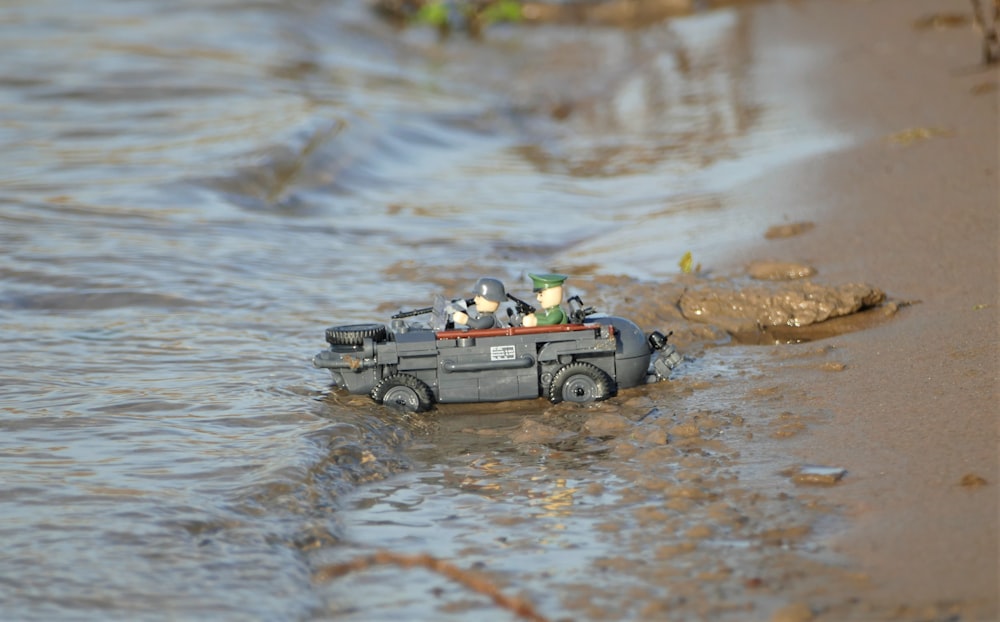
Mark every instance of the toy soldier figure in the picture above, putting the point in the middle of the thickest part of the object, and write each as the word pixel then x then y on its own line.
pixel 549 291
pixel 487 295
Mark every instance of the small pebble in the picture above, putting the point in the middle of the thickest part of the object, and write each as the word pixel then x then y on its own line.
pixel 789 230
pixel 971 480
pixel 795 612
pixel 812 475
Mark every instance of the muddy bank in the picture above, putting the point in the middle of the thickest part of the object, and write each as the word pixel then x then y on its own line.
pixel 914 413
pixel 661 503
pixel 912 205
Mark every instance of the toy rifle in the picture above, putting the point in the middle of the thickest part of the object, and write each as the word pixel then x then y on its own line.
pixel 402 314
pixel 523 308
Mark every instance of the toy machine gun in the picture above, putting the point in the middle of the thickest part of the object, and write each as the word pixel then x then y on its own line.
pixel 578 312
pixel 521 309
pixel 441 311
pixel 438 306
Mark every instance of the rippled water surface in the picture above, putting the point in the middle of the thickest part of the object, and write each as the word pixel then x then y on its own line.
pixel 191 191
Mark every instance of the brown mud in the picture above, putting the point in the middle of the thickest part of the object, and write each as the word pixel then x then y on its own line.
pixel 713 501
pixel 709 503
pixel 681 497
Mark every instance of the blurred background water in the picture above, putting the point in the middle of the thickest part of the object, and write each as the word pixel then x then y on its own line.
pixel 190 191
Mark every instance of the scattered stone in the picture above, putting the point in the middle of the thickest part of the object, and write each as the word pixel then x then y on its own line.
pixel 685 430
pixel 940 21
pixel 623 449
pixel 815 475
pixel 788 230
pixel 716 575
pixel 788 430
pixel 655 455
pixel 795 612
pixel 779 270
pixel 971 480
pixel 833 366
pixel 913 135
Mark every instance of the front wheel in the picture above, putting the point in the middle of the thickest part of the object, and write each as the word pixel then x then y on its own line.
pixel 404 392
pixel 580 382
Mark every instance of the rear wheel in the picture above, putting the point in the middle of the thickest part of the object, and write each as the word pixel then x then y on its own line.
pixel 354 334
pixel 580 382
pixel 404 392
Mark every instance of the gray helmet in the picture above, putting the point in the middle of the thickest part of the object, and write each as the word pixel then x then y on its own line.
pixel 490 289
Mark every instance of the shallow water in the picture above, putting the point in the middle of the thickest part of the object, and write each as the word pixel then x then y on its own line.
pixel 192 191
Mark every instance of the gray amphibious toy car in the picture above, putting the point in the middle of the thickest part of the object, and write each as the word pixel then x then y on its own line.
pixel 410 367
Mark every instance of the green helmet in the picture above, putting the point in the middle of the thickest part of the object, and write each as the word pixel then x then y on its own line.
pixel 490 289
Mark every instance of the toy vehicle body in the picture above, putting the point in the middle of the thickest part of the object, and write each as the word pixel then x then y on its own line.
pixel 411 367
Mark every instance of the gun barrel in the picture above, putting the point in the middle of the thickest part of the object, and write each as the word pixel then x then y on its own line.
pixel 424 310
pixel 403 314
pixel 522 306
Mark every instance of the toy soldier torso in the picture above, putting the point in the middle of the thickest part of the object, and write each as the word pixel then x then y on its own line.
pixel 551 316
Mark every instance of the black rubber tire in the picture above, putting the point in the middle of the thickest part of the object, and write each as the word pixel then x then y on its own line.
pixel 580 382
pixel 354 334
pixel 404 392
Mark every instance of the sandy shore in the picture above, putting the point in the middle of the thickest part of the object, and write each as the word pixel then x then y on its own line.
pixel 913 208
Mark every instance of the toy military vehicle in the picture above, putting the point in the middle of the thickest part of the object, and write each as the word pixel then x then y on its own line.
pixel 410 366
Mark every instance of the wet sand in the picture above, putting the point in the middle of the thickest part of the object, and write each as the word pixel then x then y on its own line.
pixel 903 411
pixel 911 206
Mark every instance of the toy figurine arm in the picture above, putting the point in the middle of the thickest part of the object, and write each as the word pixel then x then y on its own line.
pixel 483 321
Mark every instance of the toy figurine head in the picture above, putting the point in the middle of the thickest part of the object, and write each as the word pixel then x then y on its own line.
pixel 548 288
pixel 488 294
